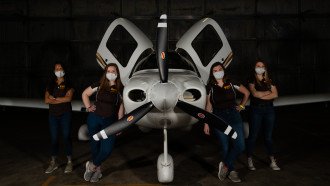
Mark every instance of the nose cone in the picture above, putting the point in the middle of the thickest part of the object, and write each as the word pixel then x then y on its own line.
pixel 164 96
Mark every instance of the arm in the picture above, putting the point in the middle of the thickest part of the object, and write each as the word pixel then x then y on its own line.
pixel 208 108
pixel 273 94
pixel 85 98
pixel 246 95
pixel 121 111
pixel 258 94
pixel 49 99
pixel 67 97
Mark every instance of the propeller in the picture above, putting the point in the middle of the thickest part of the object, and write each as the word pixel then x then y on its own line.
pixel 207 117
pixel 128 120
pixel 134 116
pixel 162 48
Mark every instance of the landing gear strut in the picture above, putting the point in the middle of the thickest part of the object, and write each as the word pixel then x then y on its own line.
pixel 165 165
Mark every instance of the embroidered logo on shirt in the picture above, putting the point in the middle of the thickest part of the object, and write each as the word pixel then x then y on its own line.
pixel 61 87
pixel 113 90
pixel 227 87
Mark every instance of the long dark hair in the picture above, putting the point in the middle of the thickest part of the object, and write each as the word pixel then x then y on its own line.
pixel 212 80
pixel 265 75
pixel 52 81
pixel 53 78
pixel 104 82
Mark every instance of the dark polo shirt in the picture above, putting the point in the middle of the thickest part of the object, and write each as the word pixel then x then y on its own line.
pixel 223 97
pixel 107 101
pixel 59 91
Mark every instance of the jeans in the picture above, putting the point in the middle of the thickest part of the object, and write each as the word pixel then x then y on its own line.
pixel 102 149
pixel 231 148
pixel 261 117
pixel 63 121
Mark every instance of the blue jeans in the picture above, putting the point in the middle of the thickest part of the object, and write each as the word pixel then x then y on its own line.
pixel 63 121
pixel 261 117
pixel 231 148
pixel 102 149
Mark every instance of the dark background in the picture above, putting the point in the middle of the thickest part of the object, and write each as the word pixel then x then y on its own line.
pixel 291 35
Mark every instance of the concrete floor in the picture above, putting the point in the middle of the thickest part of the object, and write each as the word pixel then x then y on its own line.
pixel 301 139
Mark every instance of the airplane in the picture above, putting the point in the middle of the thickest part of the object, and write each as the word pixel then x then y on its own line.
pixel 160 94
pixel 166 97
pixel 163 89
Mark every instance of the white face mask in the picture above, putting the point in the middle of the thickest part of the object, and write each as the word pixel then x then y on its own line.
pixel 219 74
pixel 260 70
pixel 111 76
pixel 59 74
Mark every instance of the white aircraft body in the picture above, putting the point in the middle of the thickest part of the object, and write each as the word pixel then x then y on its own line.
pixel 165 97
pixel 157 93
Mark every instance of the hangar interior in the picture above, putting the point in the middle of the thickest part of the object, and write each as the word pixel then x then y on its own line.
pixel 291 36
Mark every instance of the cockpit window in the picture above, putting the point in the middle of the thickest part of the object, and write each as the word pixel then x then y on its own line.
pixel 121 44
pixel 207 44
pixel 174 61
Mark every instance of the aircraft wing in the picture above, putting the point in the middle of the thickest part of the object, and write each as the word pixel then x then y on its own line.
pixel 300 99
pixel 223 52
pixel 77 105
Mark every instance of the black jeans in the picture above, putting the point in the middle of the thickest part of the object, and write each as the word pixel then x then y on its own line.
pixel 261 116
pixel 231 148
pixel 64 122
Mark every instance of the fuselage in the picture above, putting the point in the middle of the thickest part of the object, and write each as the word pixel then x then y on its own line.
pixel 144 86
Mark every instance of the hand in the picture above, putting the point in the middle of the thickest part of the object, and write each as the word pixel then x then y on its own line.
pixel 206 129
pixel 51 97
pixel 239 108
pixel 91 108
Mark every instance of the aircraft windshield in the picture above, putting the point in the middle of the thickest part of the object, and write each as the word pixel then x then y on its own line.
pixel 174 61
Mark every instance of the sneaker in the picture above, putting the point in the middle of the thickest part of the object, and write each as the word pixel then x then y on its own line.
pixel 96 176
pixel 68 167
pixel 273 165
pixel 52 166
pixel 88 173
pixel 250 164
pixel 223 171
pixel 233 176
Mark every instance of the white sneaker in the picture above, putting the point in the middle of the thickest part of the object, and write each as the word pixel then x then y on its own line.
pixel 68 167
pixel 233 176
pixel 273 165
pixel 250 164
pixel 52 166
pixel 88 173
pixel 223 171
pixel 96 176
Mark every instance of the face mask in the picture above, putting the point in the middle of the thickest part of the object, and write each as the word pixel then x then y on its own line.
pixel 260 70
pixel 219 74
pixel 111 76
pixel 59 74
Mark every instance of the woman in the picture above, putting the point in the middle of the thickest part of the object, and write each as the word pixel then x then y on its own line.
pixel 262 112
pixel 222 100
pixel 58 95
pixel 105 111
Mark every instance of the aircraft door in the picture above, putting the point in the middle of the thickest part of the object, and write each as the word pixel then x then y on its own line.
pixel 122 44
pixel 220 50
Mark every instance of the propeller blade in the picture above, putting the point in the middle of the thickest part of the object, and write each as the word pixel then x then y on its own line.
pixel 207 117
pixel 162 48
pixel 128 120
